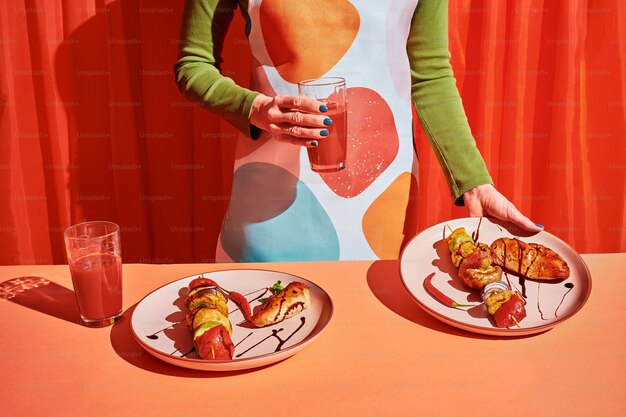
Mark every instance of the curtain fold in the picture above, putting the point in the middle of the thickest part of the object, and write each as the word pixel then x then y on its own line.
pixel 92 125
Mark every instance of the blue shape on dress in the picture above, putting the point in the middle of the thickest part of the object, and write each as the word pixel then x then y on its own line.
pixel 265 225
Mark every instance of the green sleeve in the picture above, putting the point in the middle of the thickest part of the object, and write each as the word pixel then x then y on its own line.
pixel 197 70
pixel 437 100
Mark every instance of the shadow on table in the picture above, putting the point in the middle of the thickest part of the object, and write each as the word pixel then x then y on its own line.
pixel 385 282
pixel 130 350
pixel 43 295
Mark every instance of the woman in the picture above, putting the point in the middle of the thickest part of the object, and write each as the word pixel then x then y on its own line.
pixel 393 54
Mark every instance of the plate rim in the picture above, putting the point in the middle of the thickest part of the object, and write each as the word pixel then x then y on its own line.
pixel 283 354
pixel 495 331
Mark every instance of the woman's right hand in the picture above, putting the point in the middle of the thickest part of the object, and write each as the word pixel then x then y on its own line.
pixel 294 119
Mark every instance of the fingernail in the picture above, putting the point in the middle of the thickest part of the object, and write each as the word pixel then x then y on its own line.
pixel 328 121
pixel 324 132
pixel 323 108
pixel 539 225
pixel 313 143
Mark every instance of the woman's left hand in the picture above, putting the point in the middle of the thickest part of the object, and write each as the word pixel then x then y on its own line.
pixel 485 200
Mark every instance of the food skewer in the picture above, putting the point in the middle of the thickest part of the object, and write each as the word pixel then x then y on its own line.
pixel 208 313
pixel 477 270
pixel 473 260
pixel 208 318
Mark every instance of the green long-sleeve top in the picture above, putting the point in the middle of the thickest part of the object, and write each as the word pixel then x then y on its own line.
pixel 433 88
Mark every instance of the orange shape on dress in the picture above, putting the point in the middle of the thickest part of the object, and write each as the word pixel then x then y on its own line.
pixel 383 222
pixel 324 31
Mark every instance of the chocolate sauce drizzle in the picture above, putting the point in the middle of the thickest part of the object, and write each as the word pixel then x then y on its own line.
pixel 538 305
pixel 508 280
pixel 519 258
pixel 154 336
pixel 477 231
pixel 522 283
pixel 274 333
pixel 504 256
pixel 282 342
pixel 570 287
pixel 238 343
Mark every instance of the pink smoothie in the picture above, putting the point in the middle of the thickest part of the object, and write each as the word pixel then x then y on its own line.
pixel 330 154
pixel 98 284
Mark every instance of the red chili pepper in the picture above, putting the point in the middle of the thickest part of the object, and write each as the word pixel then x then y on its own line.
pixel 243 304
pixel 439 296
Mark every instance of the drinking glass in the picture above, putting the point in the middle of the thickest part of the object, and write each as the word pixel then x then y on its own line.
pixel 94 255
pixel 330 154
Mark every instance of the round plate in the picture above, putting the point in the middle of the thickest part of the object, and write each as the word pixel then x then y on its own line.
pixel 159 324
pixel 548 303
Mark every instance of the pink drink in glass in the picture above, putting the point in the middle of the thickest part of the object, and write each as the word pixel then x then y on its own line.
pixel 330 153
pixel 94 256
pixel 97 282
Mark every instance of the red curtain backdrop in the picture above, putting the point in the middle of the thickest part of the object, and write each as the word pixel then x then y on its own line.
pixel 92 125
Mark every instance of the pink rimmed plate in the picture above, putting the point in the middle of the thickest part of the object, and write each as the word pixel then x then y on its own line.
pixel 158 322
pixel 549 303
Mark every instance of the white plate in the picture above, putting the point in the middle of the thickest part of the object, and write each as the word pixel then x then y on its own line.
pixel 159 325
pixel 548 303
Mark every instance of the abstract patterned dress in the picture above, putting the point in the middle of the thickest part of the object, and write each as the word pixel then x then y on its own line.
pixel 393 55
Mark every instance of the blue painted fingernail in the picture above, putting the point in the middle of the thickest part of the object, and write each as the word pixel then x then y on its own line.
pixel 313 143
pixel 539 225
pixel 328 121
pixel 324 132
pixel 323 108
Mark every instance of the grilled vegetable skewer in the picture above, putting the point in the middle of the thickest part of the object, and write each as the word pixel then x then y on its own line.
pixel 473 260
pixel 479 270
pixel 208 318
pixel 506 306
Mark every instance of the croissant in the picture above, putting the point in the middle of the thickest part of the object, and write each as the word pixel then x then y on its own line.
pixel 530 260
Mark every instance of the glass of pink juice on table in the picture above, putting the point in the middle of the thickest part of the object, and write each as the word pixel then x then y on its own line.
pixel 330 154
pixel 94 256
